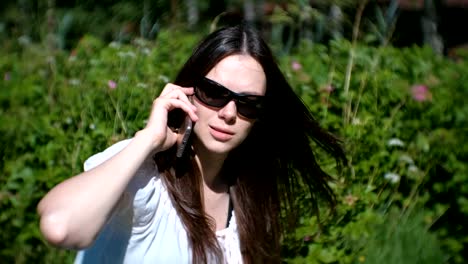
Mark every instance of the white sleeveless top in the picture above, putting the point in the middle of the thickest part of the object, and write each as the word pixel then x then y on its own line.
pixel 145 227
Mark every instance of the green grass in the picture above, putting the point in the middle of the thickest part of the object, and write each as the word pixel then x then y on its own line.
pixel 57 108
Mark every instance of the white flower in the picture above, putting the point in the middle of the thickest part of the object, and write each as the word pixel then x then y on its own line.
pixel 114 45
pixel 94 62
pixel 146 51
pixel 163 78
pixel 68 120
pixel 356 121
pixel 392 177
pixel 127 54
pixel 142 85
pixel 413 168
pixel 74 82
pixel 395 142
pixel 370 188
pixel 406 158
pixel 140 42
pixel 50 59
pixel 131 54
pixel 24 40
pixel 92 126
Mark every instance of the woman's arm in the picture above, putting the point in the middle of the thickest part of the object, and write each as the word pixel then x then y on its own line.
pixel 74 211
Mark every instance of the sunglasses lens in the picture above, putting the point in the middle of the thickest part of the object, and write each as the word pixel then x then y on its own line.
pixel 215 95
pixel 249 109
pixel 212 95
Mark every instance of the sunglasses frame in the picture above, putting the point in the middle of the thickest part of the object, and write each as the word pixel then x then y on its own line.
pixel 241 99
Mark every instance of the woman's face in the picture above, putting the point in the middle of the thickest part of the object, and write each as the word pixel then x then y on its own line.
pixel 219 130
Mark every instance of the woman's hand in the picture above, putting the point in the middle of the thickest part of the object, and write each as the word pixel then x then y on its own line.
pixel 63 222
pixel 171 97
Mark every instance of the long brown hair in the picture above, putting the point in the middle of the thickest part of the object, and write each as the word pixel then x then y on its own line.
pixel 275 162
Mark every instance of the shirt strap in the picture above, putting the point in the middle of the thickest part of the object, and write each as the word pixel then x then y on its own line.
pixel 231 208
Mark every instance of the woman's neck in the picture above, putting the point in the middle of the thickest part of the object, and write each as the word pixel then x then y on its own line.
pixel 210 165
pixel 215 189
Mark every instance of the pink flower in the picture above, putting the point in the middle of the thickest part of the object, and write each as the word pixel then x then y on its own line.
pixel 7 76
pixel 350 199
pixel 328 89
pixel 112 84
pixel 72 56
pixel 296 66
pixel 307 238
pixel 421 93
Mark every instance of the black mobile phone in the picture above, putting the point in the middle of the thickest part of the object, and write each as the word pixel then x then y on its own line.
pixel 184 134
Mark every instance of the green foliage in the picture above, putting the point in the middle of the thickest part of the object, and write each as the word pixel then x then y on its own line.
pixel 403 121
pixel 402 239
pixel 59 108
pixel 400 113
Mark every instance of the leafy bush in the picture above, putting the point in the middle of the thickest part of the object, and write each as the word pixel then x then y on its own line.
pixel 402 117
pixel 400 112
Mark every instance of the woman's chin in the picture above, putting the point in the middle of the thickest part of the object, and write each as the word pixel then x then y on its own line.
pixel 214 147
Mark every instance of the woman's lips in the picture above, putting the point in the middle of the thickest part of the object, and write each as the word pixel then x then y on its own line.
pixel 221 134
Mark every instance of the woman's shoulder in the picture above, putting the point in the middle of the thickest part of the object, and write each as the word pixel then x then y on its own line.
pixel 146 178
pixel 98 158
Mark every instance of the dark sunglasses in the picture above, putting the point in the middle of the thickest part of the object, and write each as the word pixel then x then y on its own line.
pixel 214 94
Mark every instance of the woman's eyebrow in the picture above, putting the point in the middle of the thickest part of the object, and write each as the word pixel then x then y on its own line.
pixel 215 82
pixel 242 93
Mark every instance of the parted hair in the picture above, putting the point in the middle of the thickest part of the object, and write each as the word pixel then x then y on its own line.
pixel 265 173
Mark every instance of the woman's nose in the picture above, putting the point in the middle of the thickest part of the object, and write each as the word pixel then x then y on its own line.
pixel 228 112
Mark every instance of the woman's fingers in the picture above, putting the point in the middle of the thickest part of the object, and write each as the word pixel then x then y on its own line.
pixel 175 91
pixel 172 97
pixel 187 107
pixel 169 88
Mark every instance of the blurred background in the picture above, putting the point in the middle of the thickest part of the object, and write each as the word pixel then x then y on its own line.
pixel 439 23
pixel 389 77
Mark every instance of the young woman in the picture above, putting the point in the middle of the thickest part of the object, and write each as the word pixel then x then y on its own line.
pixel 223 200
